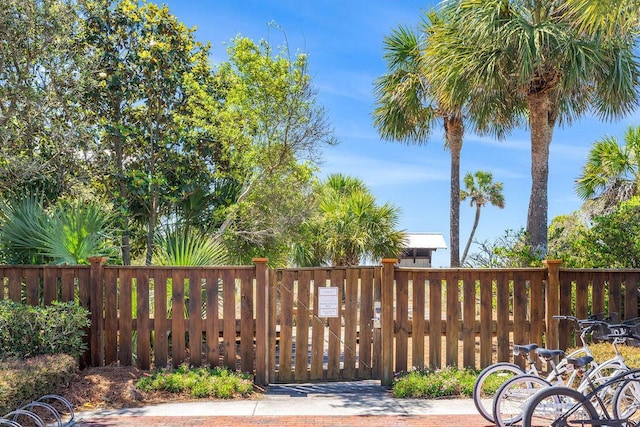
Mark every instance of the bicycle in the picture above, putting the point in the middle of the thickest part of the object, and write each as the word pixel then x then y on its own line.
pixel 510 399
pixel 565 406
pixel 492 377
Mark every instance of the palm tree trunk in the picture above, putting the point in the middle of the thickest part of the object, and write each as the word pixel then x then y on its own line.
pixel 454 130
pixel 476 220
pixel 542 120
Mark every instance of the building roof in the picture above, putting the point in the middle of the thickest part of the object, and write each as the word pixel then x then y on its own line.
pixel 426 240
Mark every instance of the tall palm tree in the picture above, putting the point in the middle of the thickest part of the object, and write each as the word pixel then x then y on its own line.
pixel 612 171
pixel 548 68
pixel 480 189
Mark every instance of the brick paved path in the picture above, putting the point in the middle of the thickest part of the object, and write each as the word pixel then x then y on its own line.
pixel 293 421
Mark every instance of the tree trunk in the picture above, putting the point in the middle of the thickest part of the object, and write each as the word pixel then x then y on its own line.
pixel 542 120
pixel 476 220
pixel 454 130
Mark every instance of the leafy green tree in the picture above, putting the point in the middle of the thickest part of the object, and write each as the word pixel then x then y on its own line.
pixel 547 68
pixel 480 190
pixel 186 246
pixel 567 234
pixel 41 119
pixel 507 251
pixel 256 124
pixel 349 226
pixel 612 171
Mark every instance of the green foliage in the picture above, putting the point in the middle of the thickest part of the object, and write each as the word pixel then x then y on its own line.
pixel 604 351
pixel 67 233
pixel 430 383
pixel 182 245
pixel 199 382
pixel 23 381
pixel 508 251
pixel 27 331
pixel 348 226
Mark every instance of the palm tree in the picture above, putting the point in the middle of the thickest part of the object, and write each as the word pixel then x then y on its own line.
pixel 480 189
pixel 548 68
pixel 612 171
pixel 348 227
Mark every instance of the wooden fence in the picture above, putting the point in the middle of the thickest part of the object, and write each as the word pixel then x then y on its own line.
pixel 254 319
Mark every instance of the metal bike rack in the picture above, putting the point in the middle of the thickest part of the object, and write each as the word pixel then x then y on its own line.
pixel 44 403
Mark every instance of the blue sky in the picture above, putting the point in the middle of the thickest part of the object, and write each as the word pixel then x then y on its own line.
pixel 343 40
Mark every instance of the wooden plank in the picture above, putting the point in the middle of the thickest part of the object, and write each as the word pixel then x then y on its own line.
pixel 125 353
pixel 111 291
pixel 32 279
pixel 451 355
pixel 335 329
pixel 67 281
pixel 536 304
pixel 502 317
pixel 160 323
pixel 435 322
pixel 286 326
pixel 418 321
pixel 598 292
pixel 582 288
pixel 402 321
pixel 350 322
pixel 229 319
pixel 631 295
pixel 615 293
pixel 195 317
pixel 178 354
pixel 520 320
pixel 468 320
pixel 272 317
pixel 142 320
pixel 246 320
pixel 566 298
pixel 365 365
pixel 302 326
pixel 85 302
pixel 50 282
pixel 263 348
pixel 376 357
pixel 486 318
pixel 317 329
pixel 14 277
pixel 212 324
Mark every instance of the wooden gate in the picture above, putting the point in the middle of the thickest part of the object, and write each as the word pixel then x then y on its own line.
pixel 321 324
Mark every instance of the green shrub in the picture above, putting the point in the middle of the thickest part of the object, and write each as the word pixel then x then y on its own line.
pixel 198 382
pixel 27 331
pixel 429 383
pixel 23 381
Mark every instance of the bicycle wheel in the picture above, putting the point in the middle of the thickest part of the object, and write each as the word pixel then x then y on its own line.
pixel 558 406
pixel 488 383
pixel 513 395
pixel 626 401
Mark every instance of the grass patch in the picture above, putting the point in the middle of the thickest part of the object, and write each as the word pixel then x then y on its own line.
pixel 200 382
pixel 434 383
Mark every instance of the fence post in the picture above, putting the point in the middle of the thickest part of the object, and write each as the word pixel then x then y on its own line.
pixel 386 320
pixel 552 302
pixel 96 303
pixel 262 320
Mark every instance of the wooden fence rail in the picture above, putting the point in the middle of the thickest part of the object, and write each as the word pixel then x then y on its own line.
pixel 254 319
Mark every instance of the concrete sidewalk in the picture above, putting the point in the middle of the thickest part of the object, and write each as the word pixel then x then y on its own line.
pixel 339 403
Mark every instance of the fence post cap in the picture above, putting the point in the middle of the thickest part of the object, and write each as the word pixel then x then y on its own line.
pixel 389 260
pixel 552 261
pixel 99 259
pixel 259 260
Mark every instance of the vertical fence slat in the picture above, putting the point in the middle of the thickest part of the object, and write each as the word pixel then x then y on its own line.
pixel 125 353
pixel 451 356
pixel 615 295
pixel 486 319
pixel 32 279
pixel 335 328
pixel 110 315
pixel 178 353
pixel 229 319
pixel 536 306
pixel 160 322
pixel 50 291
pixel 417 321
pixel 520 320
pixel 402 320
pixel 246 321
pixel 195 317
pixel 212 323
pixel 317 329
pixel 67 280
pixel 366 324
pixel 435 322
pixel 503 317
pixel 469 321
pixel 350 322
pixel 597 286
pixel 143 335
pixel 286 326
pixel 631 295
pixel 302 326
pixel 14 277
pixel 262 320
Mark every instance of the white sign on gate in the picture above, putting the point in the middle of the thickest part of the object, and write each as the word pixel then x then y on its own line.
pixel 328 302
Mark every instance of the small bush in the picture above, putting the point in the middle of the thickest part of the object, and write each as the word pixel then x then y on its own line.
pixel 23 381
pixel 429 383
pixel 198 382
pixel 27 331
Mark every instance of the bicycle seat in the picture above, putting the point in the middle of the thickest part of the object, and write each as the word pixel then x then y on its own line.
pixel 524 349
pixel 549 354
pixel 580 361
